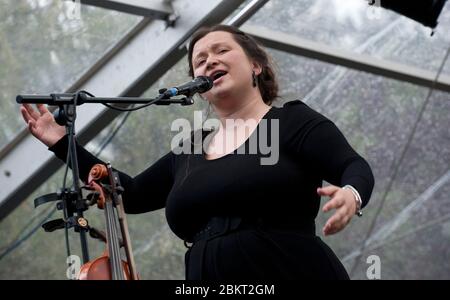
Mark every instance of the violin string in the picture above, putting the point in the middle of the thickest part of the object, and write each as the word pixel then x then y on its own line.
pixel 119 257
pixel 121 268
pixel 114 243
pixel 109 239
pixel 116 246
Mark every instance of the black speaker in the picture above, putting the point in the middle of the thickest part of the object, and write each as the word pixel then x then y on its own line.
pixel 425 12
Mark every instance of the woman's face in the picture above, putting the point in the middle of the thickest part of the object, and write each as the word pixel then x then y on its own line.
pixel 220 57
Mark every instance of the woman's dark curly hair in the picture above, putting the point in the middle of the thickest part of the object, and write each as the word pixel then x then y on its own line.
pixel 267 81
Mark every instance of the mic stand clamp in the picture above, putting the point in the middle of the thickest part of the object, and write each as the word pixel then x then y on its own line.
pixel 68 204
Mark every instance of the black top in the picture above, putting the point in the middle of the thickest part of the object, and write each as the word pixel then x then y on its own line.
pixel 193 189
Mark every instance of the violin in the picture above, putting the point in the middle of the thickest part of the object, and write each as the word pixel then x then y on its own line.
pixel 110 265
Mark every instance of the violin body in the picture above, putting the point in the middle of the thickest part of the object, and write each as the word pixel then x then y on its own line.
pixel 100 269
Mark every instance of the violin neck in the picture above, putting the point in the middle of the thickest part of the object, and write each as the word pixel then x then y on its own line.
pixel 112 233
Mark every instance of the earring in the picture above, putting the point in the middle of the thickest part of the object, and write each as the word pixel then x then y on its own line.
pixel 254 79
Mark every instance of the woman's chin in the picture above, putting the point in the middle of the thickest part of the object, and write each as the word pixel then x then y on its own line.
pixel 224 103
pixel 221 94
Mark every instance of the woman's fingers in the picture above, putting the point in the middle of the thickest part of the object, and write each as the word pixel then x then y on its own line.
pixel 28 119
pixel 336 223
pixel 31 122
pixel 331 230
pixel 25 114
pixel 31 126
pixel 333 203
pixel 344 203
pixel 328 190
pixel 31 112
pixel 340 218
pixel 42 109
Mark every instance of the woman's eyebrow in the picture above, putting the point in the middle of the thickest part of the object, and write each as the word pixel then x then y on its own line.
pixel 200 54
pixel 213 46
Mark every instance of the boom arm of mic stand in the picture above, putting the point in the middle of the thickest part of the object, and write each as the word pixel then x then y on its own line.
pixel 61 99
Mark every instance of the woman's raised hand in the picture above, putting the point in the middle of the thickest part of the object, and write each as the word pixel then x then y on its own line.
pixel 41 124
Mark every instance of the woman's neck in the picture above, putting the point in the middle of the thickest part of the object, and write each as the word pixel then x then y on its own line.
pixel 252 108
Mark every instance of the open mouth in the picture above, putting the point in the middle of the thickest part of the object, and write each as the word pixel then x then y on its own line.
pixel 218 75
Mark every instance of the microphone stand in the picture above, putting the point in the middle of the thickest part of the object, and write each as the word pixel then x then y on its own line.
pixel 72 201
pixel 83 97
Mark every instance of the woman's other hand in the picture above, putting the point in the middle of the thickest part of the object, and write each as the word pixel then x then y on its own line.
pixel 343 201
pixel 42 124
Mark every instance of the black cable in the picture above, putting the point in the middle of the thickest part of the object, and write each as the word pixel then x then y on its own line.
pixel 134 108
pixel 160 97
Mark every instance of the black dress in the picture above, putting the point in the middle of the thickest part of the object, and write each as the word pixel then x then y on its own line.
pixel 283 195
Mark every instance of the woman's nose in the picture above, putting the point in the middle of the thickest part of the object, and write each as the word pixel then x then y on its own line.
pixel 211 62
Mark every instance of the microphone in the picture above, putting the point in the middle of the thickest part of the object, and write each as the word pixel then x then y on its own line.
pixel 200 85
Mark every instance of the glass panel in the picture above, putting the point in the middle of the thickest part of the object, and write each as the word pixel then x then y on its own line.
pixel 45 48
pixel 374 113
pixel 414 252
pixel 377 118
pixel 350 25
pixel 416 213
pixel 446 69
